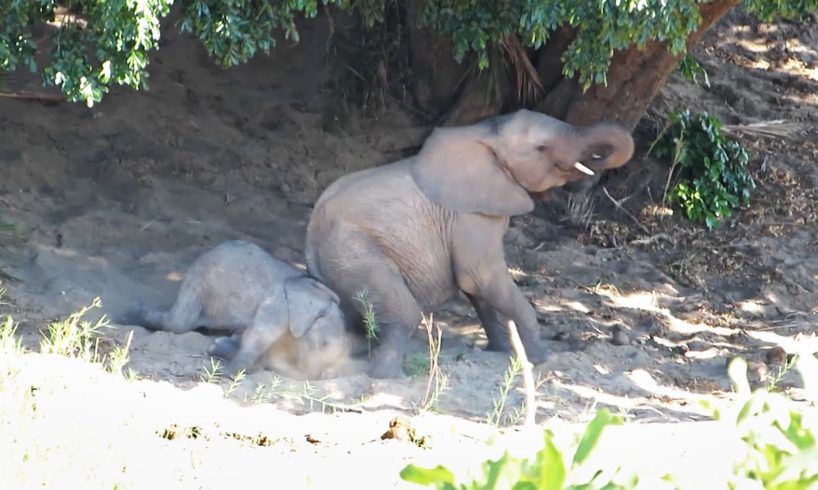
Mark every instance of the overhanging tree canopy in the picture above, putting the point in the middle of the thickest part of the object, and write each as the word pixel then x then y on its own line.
pixel 585 60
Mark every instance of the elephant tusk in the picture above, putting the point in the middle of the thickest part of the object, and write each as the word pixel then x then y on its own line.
pixel 582 168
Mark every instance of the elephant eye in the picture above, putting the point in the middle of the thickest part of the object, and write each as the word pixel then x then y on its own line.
pixel 542 148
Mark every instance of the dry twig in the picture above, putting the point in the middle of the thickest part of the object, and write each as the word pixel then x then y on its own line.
pixel 33 97
pixel 619 206
pixel 767 129
pixel 528 376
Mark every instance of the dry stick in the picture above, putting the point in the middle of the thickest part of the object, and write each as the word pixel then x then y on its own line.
pixel 434 356
pixel 676 154
pixel 619 206
pixel 528 376
pixel 33 97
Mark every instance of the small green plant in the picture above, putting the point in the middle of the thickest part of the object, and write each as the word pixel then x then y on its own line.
pixel 263 394
pixel 7 233
pixel 709 170
pixel 513 370
pixel 74 336
pixel 781 372
pixel 118 357
pixel 213 373
pixel 235 381
pixel 309 399
pixel 9 342
pixel 370 322
pixel 690 68
pixel 417 364
pixel 546 470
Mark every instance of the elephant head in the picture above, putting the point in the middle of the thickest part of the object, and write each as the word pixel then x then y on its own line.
pixel 493 167
pixel 317 322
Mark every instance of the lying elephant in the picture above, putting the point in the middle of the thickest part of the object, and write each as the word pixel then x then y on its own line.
pixel 414 232
pixel 279 316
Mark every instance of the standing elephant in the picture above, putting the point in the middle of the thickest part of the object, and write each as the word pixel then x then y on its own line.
pixel 414 232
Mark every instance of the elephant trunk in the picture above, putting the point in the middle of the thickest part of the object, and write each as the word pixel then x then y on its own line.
pixel 606 145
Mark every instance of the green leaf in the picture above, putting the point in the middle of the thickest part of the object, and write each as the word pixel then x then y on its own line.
pixel 592 433
pixel 427 476
pixel 493 470
pixel 552 467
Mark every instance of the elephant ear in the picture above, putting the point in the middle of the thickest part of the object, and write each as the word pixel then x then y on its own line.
pixel 460 172
pixel 307 301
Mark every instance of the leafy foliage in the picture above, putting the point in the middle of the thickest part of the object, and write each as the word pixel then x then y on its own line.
pixel 710 170
pixel 601 27
pixel 690 68
pixel 75 336
pixel 778 450
pixel 234 30
pixel 96 44
pixel 546 471
pixel 779 435
pixel 7 232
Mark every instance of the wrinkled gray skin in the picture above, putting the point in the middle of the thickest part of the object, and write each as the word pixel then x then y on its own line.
pixel 415 232
pixel 277 314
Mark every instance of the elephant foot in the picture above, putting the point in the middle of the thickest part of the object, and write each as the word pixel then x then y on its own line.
pixel 537 352
pixel 499 345
pixel 386 371
pixel 387 365
pixel 224 347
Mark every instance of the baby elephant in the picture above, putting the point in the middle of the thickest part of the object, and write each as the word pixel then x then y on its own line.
pixel 279 316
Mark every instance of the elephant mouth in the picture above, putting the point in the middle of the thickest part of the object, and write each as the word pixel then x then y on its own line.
pixel 540 196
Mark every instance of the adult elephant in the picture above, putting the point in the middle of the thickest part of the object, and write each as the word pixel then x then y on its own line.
pixel 414 232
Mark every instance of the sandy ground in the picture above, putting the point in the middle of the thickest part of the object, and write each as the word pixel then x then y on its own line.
pixel 116 201
pixel 144 434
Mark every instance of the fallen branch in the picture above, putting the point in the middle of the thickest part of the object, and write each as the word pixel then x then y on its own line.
pixel 650 240
pixel 33 97
pixel 619 206
pixel 436 376
pixel 768 129
pixel 528 376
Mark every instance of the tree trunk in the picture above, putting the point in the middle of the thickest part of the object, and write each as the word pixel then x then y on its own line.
pixel 436 76
pixel 634 79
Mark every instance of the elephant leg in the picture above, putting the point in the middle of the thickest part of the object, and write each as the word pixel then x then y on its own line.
pixel 397 315
pixel 358 345
pixel 493 323
pixel 184 316
pixel 254 342
pixel 225 347
pixel 352 263
pixel 481 272
pixel 396 312
pixel 269 324
pixel 497 299
pixel 504 297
